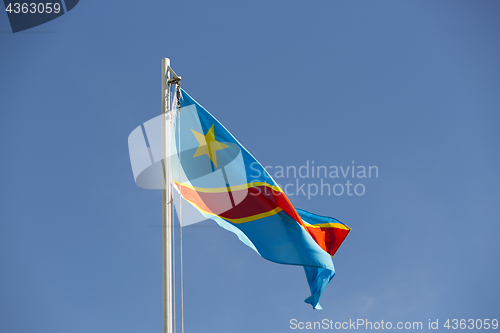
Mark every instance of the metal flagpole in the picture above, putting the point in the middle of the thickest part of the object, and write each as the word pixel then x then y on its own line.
pixel 167 203
pixel 168 77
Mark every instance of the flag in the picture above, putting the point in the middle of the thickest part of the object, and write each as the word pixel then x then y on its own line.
pixel 219 177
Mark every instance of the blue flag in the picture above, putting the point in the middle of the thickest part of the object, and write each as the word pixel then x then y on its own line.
pixel 219 177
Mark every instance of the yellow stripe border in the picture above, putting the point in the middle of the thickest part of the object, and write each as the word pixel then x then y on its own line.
pixel 230 188
pixel 327 225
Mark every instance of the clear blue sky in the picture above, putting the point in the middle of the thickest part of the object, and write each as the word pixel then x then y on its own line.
pixel 410 87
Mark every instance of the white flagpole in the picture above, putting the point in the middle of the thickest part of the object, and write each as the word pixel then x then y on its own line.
pixel 167 199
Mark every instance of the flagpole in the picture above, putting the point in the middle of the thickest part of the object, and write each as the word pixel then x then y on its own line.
pixel 167 202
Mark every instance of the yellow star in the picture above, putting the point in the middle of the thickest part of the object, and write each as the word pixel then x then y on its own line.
pixel 208 145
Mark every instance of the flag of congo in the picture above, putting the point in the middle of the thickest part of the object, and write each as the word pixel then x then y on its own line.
pixel 212 170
